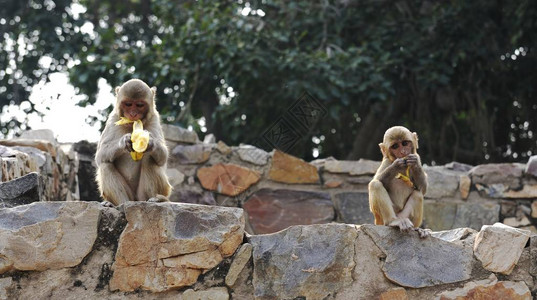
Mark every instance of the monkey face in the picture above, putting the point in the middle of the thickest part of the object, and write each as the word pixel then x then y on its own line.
pixel 134 110
pixel 400 149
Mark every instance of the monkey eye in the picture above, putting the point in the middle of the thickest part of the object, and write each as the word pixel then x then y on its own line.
pixel 140 105
pixel 405 143
pixel 395 146
pixel 127 104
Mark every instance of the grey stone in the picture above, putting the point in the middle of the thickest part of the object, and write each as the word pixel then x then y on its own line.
pixel 240 260
pixel 360 167
pixel 442 182
pixel 454 234
pixel 459 167
pixel 312 262
pixel 209 139
pixel 533 255
pixel 253 155
pixel 531 166
pixel 507 174
pixel 177 134
pixel 39 134
pixel 194 197
pixel 416 263
pixel 20 191
pixel 190 154
pixel 444 215
pixel 353 208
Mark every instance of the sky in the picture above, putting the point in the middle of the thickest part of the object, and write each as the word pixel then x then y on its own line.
pixel 57 100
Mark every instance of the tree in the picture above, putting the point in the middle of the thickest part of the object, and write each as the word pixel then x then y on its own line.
pixel 459 73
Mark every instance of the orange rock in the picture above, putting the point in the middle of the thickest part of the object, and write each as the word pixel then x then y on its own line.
pixel 227 179
pixel 394 294
pixel 289 169
pixel 333 184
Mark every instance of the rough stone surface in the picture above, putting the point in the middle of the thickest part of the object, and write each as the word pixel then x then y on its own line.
pixel 86 170
pixel 441 183
pixel 271 210
pixel 194 197
pixel 190 154
pixel 440 262
pixel 533 255
pixel 534 209
pixel 239 262
pixel 227 179
pixel 454 235
pixel 20 191
pixel 394 294
pixel 47 235
pixel 353 208
pixel 489 289
pixel 332 184
pixel 499 247
pixel 465 183
pixel 175 177
pixel 253 155
pixel 39 144
pixel 458 167
pixel 508 174
pixel 531 166
pixel 528 191
pixel 166 246
pixel 39 134
pixel 178 134
pixel 289 169
pixel 5 284
pixel 216 293
pixel 445 215
pixel 309 261
pixel 517 222
pixel 223 148
pixel 351 167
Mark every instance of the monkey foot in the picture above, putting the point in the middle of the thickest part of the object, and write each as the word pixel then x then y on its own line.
pixel 158 198
pixel 424 233
pixel 404 224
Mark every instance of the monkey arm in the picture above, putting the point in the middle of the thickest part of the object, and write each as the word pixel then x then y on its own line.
pixel 109 148
pixel 387 170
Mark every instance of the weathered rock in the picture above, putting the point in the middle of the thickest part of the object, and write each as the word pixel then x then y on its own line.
pixel 445 215
pixel 442 183
pixel 534 209
pixel 454 235
pixel 440 262
pixel 465 183
pixel 289 169
pixel 168 245
pixel 223 148
pixel 332 184
pixel 508 174
pixel 239 262
pixel 528 191
pixel 533 255
pixel 317 263
pixel 351 167
pixel 175 177
pixel 20 191
pixel 489 289
pixel 458 167
pixel 253 155
pixel 353 208
pixel 517 222
pixel 209 139
pixel 194 197
pixel 496 190
pixel 190 154
pixel 271 210
pixel 531 166
pixel 498 247
pixel 39 134
pixel 5 285
pixel 86 170
pixel 394 294
pixel 39 144
pixel 47 235
pixel 216 293
pixel 177 134
pixel 227 179
pixel 362 180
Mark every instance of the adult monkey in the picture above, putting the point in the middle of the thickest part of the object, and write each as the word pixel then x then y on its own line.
pixel 396 192
pixel 119 177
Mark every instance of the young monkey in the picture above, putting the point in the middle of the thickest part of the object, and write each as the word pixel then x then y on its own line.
pixel 396 192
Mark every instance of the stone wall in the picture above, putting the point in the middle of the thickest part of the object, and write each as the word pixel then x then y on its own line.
pixel 82 250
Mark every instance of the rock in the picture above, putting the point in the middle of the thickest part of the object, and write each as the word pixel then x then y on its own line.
pixel 175 177
pixel 332 184
pixel 167 246
pixel 533 255
pixel 528 191
pixel 286 168
pixel 394 294
pixel 353 208
pixel 37 156
pixel 508 174
pixel 534 209
pixel 39 144
pixel 458 167
pixel 190 154
pixel 517 222
pixel 5 285
pixel 216 293
pixel 271 210
pixel 445 215
pixel 194 197
pixel 47 235
pixel 177 134
pixel 442 183
pixel 227 179
pixel 39 134
pixel 499 247
pixel 223 148
pixel 317 263
pixel 239 262
pixel 531 166
pixel 489 289
pixel 87 170
pixel 20 191
pixel 454 235
pixel 351 167
pixel 492 191
pixel 465 183
pixel 362 180
pixel 440 262
pixel 209 139
pixel 253 155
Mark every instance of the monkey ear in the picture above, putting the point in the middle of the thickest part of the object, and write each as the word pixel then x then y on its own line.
pixel 415 136
pixel 117 90
pixel 154 90
pixel 383 150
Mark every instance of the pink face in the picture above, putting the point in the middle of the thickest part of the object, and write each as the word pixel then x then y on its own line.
pixel 134 110
pixel 401 149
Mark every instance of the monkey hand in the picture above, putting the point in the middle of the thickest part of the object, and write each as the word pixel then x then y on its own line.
pixel 404 224
pixel 424 233
pixel 412 160
pixel 150 144
pixel 126 143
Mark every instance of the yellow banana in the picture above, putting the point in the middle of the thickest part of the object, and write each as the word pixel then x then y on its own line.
pixel 139 137
pixel 406 178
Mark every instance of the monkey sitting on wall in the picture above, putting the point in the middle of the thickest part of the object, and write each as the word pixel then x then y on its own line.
pixel 121 178
pixel 396 192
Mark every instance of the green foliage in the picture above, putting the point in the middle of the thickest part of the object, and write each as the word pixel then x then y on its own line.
pixel 443 68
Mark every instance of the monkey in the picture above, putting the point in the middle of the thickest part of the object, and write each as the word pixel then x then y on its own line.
pixel 120 178
pixel 397 189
